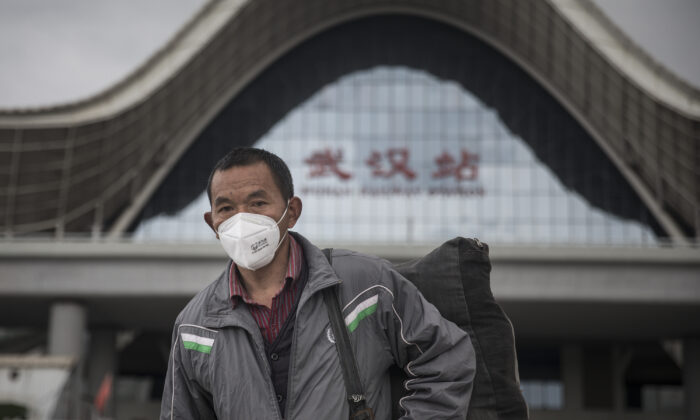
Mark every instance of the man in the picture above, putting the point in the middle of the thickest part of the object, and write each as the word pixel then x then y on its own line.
pixel 256 343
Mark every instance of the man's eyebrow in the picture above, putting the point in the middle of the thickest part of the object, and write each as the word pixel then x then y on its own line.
pixel 222 200
pixel 257 194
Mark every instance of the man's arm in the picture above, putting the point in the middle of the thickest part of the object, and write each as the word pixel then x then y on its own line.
pixel 437 356
pixel 183 398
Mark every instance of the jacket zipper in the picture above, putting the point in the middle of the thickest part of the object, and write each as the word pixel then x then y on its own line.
pixel 268 376
pixel 256 337
pixel 255 333
pixel 290 374
pixel 292 352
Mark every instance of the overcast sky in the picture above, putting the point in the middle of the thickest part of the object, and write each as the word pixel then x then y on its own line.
pixel 54 51
pixel 62 50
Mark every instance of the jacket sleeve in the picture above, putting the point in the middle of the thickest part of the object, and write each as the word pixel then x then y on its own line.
pixel 437 356
pixel 183 398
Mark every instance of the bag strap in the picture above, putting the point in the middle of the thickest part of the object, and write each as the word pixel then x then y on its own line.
pixel 353 386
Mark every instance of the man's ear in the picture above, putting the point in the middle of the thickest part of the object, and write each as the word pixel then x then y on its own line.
pixel 294 211
pixel 210 222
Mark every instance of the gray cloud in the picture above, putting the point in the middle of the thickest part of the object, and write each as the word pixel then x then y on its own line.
pixel 65 50
pixel 668 30
pixel 59 51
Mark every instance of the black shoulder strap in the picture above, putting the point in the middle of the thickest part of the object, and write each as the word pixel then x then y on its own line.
pixel 351 376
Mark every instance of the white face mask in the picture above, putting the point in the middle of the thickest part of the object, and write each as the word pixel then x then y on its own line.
pixel 250 239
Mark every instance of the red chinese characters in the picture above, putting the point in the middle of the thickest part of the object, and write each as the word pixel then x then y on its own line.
pixel 325 163
pixel 397 163
pixel 466 170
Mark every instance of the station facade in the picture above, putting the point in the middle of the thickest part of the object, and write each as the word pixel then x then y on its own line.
pixel 404 125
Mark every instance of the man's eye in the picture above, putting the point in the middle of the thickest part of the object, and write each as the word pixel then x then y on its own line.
pixel 257 203
pixel 225 209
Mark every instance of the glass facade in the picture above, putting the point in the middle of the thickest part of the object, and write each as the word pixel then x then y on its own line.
pixel 395 155
pixel 403 130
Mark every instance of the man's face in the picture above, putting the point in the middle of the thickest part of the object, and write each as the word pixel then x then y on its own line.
pixel 249 189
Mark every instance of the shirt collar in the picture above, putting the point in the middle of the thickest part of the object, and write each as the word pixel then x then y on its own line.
pixel 296 255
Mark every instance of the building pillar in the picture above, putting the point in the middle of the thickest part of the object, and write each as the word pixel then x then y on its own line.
pixel 621 358
pixel 691 377
pixel 66 337
pixel 101 368
pixel 67 322
pixel 572 376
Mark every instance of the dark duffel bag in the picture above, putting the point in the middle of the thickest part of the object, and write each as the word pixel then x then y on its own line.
pixel 455 278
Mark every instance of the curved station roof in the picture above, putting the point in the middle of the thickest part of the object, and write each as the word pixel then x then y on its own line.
pixel 93 165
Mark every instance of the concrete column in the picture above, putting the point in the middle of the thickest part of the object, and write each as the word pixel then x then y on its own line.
pixel 572 376
pixel 67 322
pixel 66 337
pixel 621 358
pixel 691 377
pixel 102 363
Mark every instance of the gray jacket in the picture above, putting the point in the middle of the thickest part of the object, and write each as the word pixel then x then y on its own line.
pixel 218 368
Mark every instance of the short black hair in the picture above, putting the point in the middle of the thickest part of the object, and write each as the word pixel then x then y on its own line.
pixel 244 156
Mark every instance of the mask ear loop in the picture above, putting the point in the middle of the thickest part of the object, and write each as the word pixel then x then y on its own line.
pixel 285 212
pixel 278 226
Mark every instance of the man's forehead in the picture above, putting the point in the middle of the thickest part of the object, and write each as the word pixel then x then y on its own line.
pixel 255 178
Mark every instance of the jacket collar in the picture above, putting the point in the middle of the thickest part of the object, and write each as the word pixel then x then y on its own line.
pixel 219 312
pixel 321 274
